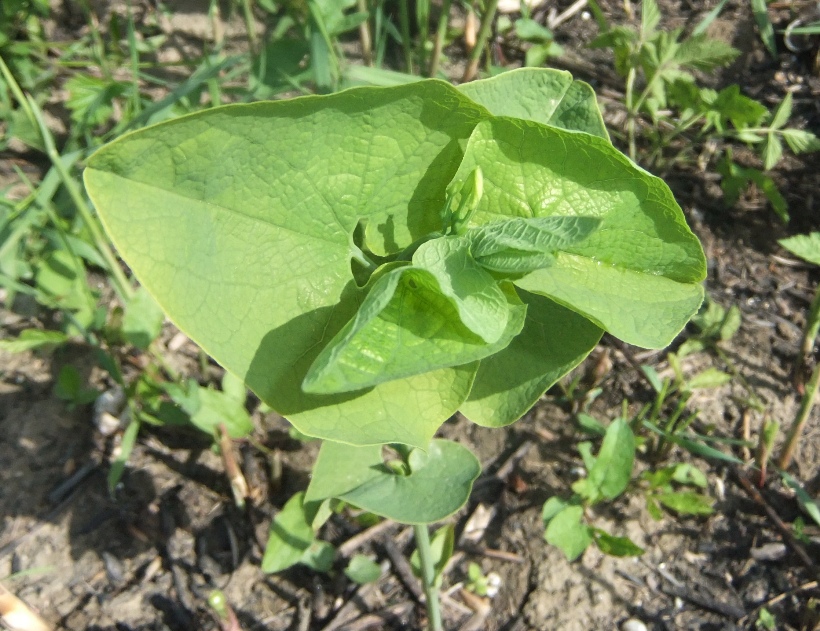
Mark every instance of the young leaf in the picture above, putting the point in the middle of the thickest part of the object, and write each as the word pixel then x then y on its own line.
pixel 806 246
pixel 441 548
pixel 612 471
pixel 783 113
pixel 462 201
pixel 611 277
pixel 362 570
pixel 289 537
pixel 590 424
pixel 704 53
pixel 801 141
pixel 481 304
pixel 616 546
pixel 686 502
pixel 567 532
pixel 772 151
pixel 552 507
pixel 535 234
pixel 764 25
pixel 359 476
pixel 585 449
pixel 542 95
pixel 709 378
pixel 208 408
pixel 650 18
pixel 554 340
pixel 807 503
pixel 143 320
pixel 710 17
pixel 653 377
pixel 30 339
pixel 405 327
pixel 529 30
pixel 319 556
pixel 129 439
pixel 685 473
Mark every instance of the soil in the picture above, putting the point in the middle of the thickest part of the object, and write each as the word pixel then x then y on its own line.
pixel 148 556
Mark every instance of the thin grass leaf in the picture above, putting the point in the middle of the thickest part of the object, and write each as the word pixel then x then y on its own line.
pixel 764 25
pixel 200 77
pixel 710 17
pixel 807 503
pixel 692 446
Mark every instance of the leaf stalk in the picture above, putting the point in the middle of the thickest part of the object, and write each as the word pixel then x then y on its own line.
pixel 428 577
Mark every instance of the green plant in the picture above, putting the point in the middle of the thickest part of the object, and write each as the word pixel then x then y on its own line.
pixel 659 65
pixel 806 247
pixel 608 476
pixel 481 584
pixel 369 262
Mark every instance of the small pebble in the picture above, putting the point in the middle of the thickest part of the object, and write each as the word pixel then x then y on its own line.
pixel 633 624
pixel 769 552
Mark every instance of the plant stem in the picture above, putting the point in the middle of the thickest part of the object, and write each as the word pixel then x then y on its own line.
pixel 121 284
pixel 481 41
pixel 423 19
pixel 404 19
pixel 812 327
pixel 250 25
pixel 802 416
pixel 428 576
pixel 631 111
pixel 441 34
pixel 364 34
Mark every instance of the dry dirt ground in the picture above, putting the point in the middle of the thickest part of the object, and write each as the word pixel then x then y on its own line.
pixel 148 557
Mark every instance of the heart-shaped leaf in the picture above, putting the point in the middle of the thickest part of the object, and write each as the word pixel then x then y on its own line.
pixel 638 275
pixel 438 484
pixel 239 221
pixel 541 95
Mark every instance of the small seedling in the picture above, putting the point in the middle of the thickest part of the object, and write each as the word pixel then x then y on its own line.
pixel 481 584
pixel 609 475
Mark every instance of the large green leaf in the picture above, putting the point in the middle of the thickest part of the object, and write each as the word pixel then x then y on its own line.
pixel 438 483
pixel 638 275
pixel 542 95
pixel 239 221
pixel 554 340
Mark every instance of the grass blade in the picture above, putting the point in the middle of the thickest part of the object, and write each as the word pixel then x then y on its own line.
pixel 764 25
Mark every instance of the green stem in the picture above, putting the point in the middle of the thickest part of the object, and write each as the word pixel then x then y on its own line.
pixel 481 41
pixel 441 34
pixel 796 429
pixel 136 104
pixel 631 111
pixel 364 34
pixel 404 18
pixel 121 284
pixel 428 576
pixel 423 18
pixel 812 327
pixel 250 25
